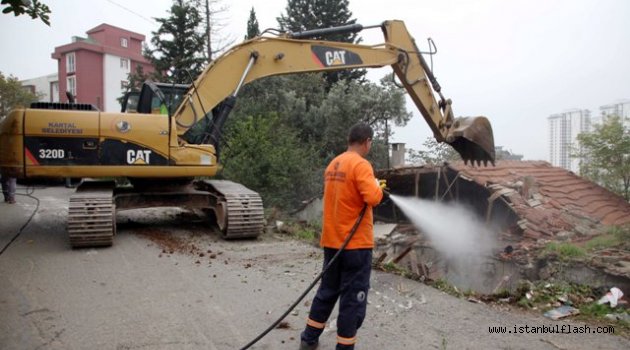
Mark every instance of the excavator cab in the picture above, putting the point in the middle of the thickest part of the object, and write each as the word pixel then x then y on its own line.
pixel 155 98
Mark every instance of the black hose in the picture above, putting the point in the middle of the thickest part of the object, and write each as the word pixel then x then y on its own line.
pixel 343 246
pixel 29 192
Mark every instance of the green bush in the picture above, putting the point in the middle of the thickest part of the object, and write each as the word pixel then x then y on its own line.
pixel 266 156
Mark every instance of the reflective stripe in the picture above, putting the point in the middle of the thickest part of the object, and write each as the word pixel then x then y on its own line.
pixel 315 324
pixel 346 341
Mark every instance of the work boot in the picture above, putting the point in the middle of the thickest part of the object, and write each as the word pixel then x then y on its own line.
pixel 11 201
pixel 306 346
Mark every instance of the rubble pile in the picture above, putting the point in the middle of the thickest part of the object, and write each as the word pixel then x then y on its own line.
pixel 531 203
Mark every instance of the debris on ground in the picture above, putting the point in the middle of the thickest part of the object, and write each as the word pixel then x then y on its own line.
pixel 619 317
pixel 611 297
pixel 283 325
pixel 551 225
pixel 561 312
pixel 170 244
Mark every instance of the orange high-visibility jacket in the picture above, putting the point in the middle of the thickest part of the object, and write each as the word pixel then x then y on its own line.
pixel 349 183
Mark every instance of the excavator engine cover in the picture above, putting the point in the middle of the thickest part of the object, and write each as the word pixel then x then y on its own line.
pixel 473 139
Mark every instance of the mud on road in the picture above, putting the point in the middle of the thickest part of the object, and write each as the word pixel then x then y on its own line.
pixel 171 282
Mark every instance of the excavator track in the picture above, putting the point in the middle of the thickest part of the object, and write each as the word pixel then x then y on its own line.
pixel 92 215
pixel 238 209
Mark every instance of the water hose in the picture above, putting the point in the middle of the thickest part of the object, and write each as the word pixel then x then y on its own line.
pixel 29 193
pixel 343 246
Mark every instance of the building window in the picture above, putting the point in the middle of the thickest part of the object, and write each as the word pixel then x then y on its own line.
pixel 124 64
pixel 54 91
pixel 124 42
pixel 72 85
pixel 70 62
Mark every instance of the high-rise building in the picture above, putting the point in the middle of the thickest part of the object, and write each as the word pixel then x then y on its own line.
pixel 619 108
pixel 95 69
pixel 563 131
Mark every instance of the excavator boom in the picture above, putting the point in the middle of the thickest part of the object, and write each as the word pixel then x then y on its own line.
pixel 291 53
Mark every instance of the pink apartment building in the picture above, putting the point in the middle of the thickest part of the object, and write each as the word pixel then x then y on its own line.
pixel 95 69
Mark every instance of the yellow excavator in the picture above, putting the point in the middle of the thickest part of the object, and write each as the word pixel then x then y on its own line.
pixel 160 153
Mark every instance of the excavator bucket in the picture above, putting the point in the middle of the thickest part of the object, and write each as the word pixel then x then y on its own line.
pixel 472 138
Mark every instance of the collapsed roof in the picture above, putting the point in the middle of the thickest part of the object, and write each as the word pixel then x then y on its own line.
pixel 531 198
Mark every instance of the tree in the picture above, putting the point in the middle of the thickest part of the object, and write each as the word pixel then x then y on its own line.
pixel 214 40
pixel 266 155
pixel 313 14
pixel 33 8
pixel 13 95
pixel 178 53
pixel 605 156
pixel 348 103
pixel 435 154
pixel 135 81
pixel 252 25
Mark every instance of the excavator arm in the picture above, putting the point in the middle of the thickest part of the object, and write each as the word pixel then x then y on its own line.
pixel 291 53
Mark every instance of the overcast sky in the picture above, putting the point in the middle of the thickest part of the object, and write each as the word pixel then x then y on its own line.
pixel 516 62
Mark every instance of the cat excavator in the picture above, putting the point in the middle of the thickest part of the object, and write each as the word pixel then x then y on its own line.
pixel 162 152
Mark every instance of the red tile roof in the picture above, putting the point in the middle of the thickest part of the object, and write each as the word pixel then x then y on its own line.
pixel 559 191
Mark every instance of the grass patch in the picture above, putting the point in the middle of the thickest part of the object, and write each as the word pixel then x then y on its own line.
pixel 615 236
pixel 602 242
pixel 306 233
pixel 543 295
pixel 564 251
pixel 301 231
pixel 446 287
pixel 596 310
pixel 391 267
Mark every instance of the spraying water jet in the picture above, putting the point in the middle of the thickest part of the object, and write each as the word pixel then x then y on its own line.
pixel 463 242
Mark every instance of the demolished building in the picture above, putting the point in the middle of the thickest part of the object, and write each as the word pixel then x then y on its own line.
pixel 529 203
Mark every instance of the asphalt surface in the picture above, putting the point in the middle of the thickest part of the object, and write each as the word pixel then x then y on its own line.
pixel 213 294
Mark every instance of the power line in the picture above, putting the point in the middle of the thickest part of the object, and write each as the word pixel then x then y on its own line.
pixel 131 11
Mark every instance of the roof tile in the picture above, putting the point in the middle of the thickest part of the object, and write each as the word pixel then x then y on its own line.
pixel 566 198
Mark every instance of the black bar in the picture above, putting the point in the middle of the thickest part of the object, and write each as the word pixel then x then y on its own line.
pixel 350 28
pixel 216 127
pixel 427 70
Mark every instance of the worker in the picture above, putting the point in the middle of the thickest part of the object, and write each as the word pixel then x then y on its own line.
pixel 8 189
pixel 349 185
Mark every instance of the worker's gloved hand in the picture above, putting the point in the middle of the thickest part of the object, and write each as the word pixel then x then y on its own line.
pixel 382 184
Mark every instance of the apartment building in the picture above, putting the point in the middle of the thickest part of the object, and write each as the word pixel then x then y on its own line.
pixel 620 108
pixel 46 87
pixel 563 131
pixel 95 69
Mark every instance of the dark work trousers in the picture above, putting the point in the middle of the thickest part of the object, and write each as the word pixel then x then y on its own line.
pixel 8 187
pixel 348 280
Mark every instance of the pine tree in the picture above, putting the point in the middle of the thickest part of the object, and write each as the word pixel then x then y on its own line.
pixel 178 44
pixel 252 25
pixel 313 14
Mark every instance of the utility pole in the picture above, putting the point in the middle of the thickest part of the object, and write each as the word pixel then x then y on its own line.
pixel 208 31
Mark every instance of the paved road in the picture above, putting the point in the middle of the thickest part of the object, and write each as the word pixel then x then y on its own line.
pixel 211 294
